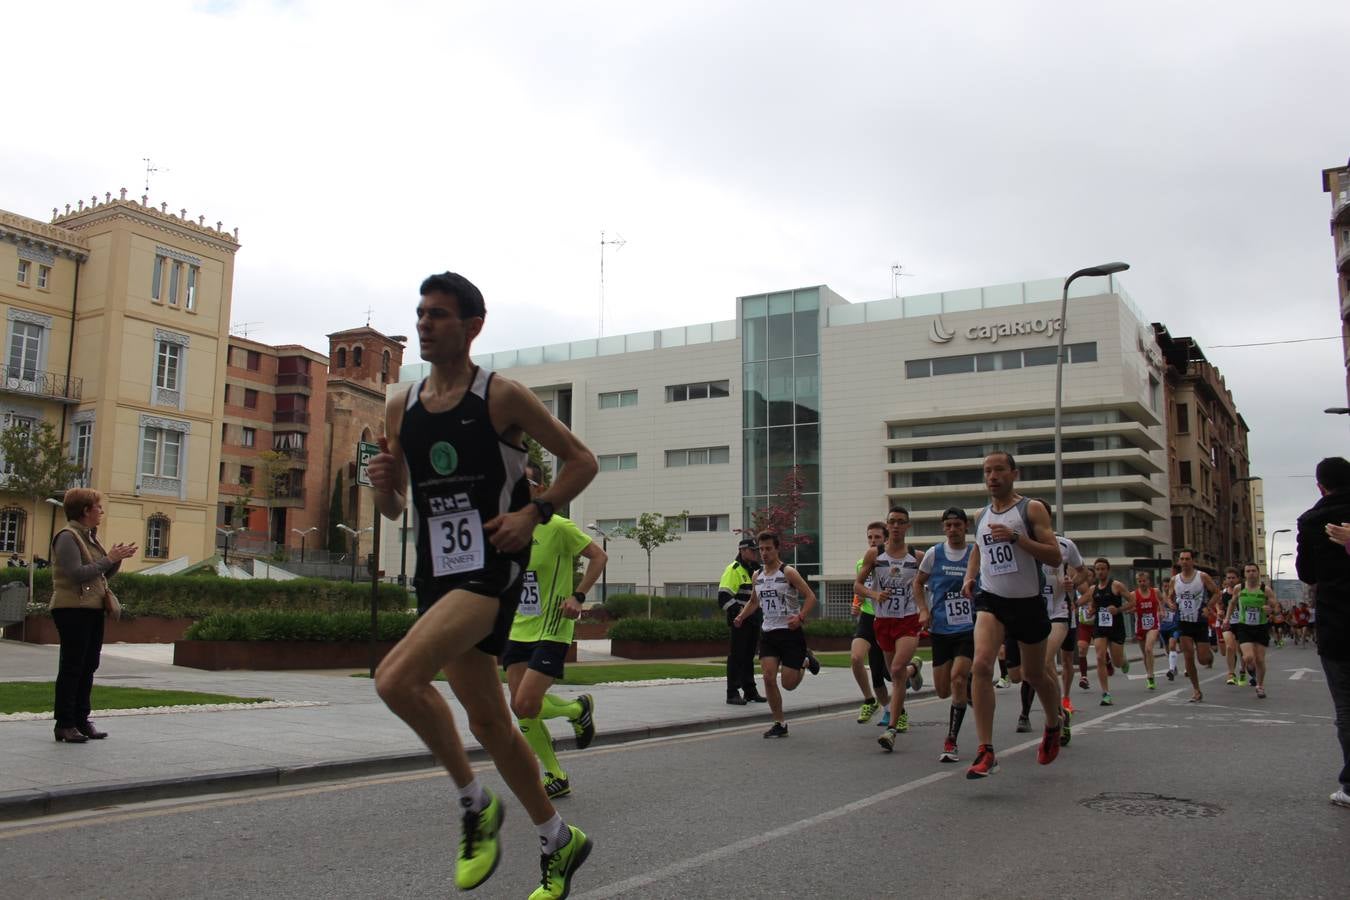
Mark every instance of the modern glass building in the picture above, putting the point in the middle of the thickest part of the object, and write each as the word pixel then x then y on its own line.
pixel 891 401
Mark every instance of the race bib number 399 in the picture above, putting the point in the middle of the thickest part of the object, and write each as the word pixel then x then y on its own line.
pixel 456 542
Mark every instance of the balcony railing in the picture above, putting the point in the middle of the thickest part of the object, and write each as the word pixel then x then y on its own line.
pixel 293 379
pixel 1343 256
pixel 292 416
pixel 1340 205
pixel 53 385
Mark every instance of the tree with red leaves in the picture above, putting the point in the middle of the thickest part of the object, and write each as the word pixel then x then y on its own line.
pixel 781 517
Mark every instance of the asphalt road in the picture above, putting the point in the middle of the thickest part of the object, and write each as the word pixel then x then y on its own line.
pixel 1154 797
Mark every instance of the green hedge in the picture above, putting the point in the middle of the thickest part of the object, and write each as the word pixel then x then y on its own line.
pixel 193 596
pixel 299 626
pixel 665 630
pixel 631 606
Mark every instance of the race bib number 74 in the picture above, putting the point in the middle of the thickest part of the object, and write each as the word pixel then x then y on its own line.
pixel 456 542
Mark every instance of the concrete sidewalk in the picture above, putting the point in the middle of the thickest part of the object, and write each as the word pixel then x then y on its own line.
pixel 343 730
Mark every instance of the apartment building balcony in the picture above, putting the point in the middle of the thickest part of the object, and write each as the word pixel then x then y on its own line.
pixel 1343 257
pixel 294 383
pixel 43 385
pixel 290 417
pixel 1340 207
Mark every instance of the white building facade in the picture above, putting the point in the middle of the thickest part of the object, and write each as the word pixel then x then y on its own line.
pixel 891 401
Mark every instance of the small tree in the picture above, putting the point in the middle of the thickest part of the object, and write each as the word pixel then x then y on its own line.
pixel 336 539
pixel 651 531
pixel 37 465
pixel 539 456
pixel 274 475
pixel 781 517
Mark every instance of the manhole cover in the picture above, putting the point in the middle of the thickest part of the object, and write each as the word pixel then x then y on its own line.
pixel 1141 804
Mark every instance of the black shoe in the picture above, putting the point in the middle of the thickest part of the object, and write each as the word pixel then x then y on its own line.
pixel 87 729
pixel 583 726
pixel 735 700
pixel 756 698
pixel 778 730
pixel 812 664
pixel 69 736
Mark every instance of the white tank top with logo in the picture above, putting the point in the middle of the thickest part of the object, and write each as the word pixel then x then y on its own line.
pixel 895 576
pixel 777 598
pixel 1053 590
pixel 1190 597
pixel 1006 569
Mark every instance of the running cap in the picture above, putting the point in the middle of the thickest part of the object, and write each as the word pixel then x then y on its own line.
pixel 955 512
pixel 748 544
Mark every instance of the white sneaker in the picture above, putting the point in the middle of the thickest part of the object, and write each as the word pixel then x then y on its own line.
pixel 1341 798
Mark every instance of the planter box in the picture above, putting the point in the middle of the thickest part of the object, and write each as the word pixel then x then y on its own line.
pixel 591 630
pixel 693 649
pixel 140 630
pixel 276 655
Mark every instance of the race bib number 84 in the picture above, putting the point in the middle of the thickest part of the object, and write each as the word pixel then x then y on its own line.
pixel 456 542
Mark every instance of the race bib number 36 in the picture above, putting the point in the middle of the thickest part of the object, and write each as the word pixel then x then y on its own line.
pixel 456 542
pixel 529 596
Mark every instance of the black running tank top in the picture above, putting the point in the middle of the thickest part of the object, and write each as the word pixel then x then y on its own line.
pixel 461 474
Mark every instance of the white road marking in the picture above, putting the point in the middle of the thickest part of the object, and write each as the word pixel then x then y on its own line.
pixel 1299 673
pixel 629 886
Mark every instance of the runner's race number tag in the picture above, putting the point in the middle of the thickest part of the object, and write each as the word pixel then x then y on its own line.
pixel 1148 621
pixel 959 610
pixel 1000 559
pixel 456 542
pixel 1105 619
pixel 529 596
pixel 1252 615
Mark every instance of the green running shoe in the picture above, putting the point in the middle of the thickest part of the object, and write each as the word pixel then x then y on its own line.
pixel 1065 732
pixel 556 785
pixel 1150 684
pixel 887 740
pixel 558 867
pixel 1107 701
pixel 1125 667
pixel 867 711
pixel 902 722
pixel 479 849
pixel 584 725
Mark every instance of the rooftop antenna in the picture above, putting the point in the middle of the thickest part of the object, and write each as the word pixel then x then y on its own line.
pixel 369 311
pixel 150 170
pixel 243 328
pixel 896 274
pixel 617 243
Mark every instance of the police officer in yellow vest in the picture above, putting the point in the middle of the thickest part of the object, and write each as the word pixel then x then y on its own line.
pixel 732 594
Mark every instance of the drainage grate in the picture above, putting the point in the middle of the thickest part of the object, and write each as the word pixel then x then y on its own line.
pixel 1142 804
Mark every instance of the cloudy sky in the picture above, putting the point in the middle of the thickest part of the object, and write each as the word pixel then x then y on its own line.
pixel 737 147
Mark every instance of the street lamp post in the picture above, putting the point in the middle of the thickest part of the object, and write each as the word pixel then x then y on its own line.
pixel 1278 566
pixel 1090 272
pixel 1232 513
pixel 356 543
pixel 604 573
pixel 1271 554
pixel 227 532
pixel 303 533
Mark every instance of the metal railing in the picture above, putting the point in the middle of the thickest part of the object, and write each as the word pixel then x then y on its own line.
pixel 293 379
pixel 296 416
pixel 34 383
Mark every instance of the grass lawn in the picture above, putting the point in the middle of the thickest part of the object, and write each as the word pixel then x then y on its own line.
pixel 39 696
pixel 840 660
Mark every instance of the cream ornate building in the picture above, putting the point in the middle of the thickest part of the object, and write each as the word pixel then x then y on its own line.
pixel 117 317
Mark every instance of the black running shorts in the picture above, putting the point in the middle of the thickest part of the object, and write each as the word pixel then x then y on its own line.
pixel 1196 631
pixel 864 629
pixel 787 645
pixel 502 579
pixel 1253 634
pixel 546 657
pixel 947 647
pixel 1024 618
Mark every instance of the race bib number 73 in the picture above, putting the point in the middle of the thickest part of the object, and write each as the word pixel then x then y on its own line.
pixel 456 542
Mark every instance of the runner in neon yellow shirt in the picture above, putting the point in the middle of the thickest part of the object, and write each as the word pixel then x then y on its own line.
pixel 542 633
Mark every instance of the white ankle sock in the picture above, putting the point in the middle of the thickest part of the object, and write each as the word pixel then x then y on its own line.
pixel 553 834
pixel 472 797
pixel 1171 659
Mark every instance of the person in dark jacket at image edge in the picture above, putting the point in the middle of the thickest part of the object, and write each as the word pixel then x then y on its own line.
pixel 1325 564
pixel 732 594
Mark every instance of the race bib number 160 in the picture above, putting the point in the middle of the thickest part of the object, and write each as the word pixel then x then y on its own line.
pixel 456 542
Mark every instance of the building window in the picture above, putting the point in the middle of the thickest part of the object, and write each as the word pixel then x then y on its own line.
pixel 161 453
pixel 1154 392
pixel 13 522
pixel 175 276
pixel 157 537
pixel 245 474
pixel 356 357
pixel 190 301
pixel 249 437
pixel 1183 418
pixel 250 398
pixel 25 425
pixel 998 361
pixel 254 361
pixel 22 276
pixel 25 349
pixel 44 276
pixel 610 526
pixel 82 446
pixel 706 590
pixel 707 523
pixel 342 358
pixel 168 361
pixel 1184 471
pixel 384 367
pixel 616 399
pixel 615 461
pixel 157 278
pixel 698 390
pixel 222 477
pixel 698 456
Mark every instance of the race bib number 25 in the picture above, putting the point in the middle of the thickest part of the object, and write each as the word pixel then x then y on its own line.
pixel 456 542
pixel 529 596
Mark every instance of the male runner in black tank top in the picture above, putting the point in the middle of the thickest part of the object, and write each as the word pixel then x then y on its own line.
pixel 456 439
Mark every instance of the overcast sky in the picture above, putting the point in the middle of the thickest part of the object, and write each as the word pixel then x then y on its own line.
pixel 738 148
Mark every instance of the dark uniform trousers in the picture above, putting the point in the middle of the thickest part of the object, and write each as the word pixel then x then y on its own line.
pixel 741 655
